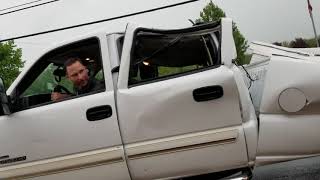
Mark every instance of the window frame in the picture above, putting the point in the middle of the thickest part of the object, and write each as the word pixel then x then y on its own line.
pixel 43 62
pixel 215 26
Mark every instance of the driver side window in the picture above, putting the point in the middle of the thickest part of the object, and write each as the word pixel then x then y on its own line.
pixel 48 75
pixel 46 82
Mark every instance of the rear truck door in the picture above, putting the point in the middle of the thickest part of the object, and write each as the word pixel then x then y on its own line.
pixel 76 138
pixel 178 102
pixel 289 109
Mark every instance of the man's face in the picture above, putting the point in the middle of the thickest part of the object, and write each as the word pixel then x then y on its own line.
pixel 78 74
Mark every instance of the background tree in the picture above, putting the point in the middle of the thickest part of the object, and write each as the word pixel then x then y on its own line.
pixel 298 43
pixel 312 43
pixel 212 12
pixel 277 43
pixel 10 62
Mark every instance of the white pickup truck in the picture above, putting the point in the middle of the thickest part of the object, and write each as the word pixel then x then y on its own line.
pixel 174 105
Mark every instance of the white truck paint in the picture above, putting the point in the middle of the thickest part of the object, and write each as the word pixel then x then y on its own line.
pixel 285 135
pixel 174 105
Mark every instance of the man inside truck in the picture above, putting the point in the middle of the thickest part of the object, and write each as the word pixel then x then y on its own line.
pixel 78 74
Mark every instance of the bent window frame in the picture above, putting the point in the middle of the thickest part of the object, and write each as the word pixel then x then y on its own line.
pixel 212 29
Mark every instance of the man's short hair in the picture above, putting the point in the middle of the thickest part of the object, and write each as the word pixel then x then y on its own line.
pixel 71 61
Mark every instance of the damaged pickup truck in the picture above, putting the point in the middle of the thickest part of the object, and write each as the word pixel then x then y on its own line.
pixel 174 105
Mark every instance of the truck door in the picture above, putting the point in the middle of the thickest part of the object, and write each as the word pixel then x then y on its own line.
pixel 178 105
pixel 74 138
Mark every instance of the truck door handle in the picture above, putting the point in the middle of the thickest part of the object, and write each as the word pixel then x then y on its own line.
pixel 207 93
pixel 99 113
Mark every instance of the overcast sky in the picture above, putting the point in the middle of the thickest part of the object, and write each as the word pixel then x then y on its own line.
pixel 262 20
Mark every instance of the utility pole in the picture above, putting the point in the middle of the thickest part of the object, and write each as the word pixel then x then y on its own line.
pixel 314 27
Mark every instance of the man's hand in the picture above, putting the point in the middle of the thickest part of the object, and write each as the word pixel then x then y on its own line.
pixel 55 96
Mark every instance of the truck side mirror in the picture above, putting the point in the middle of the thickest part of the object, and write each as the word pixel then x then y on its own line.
pixel 4 100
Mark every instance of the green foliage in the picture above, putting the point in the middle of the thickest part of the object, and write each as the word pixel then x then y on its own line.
pixel 241 45
pixel 10 62
pixel 165 71
pixel 312 42
pixel 45 83
pixel 213 13
pixel 299 43
pixel 247 58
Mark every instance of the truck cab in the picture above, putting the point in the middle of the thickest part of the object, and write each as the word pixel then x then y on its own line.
pixel 173 105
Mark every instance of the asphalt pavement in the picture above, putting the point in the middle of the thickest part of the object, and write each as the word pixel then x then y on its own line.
pixel 303 169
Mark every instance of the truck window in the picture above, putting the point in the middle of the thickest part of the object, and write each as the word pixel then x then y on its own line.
pixel 46 81
pixel 159 56
pixel 48 75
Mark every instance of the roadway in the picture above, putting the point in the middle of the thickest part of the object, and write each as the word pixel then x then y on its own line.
pixel 303 169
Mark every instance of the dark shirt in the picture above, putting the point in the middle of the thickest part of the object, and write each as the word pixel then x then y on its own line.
pixel 93 85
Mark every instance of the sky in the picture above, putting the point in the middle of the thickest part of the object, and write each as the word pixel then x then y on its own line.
pixel 258 20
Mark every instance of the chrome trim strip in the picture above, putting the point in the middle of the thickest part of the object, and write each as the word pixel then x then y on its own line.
pixel 182 143
pixel 63 164
pixel 178 149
